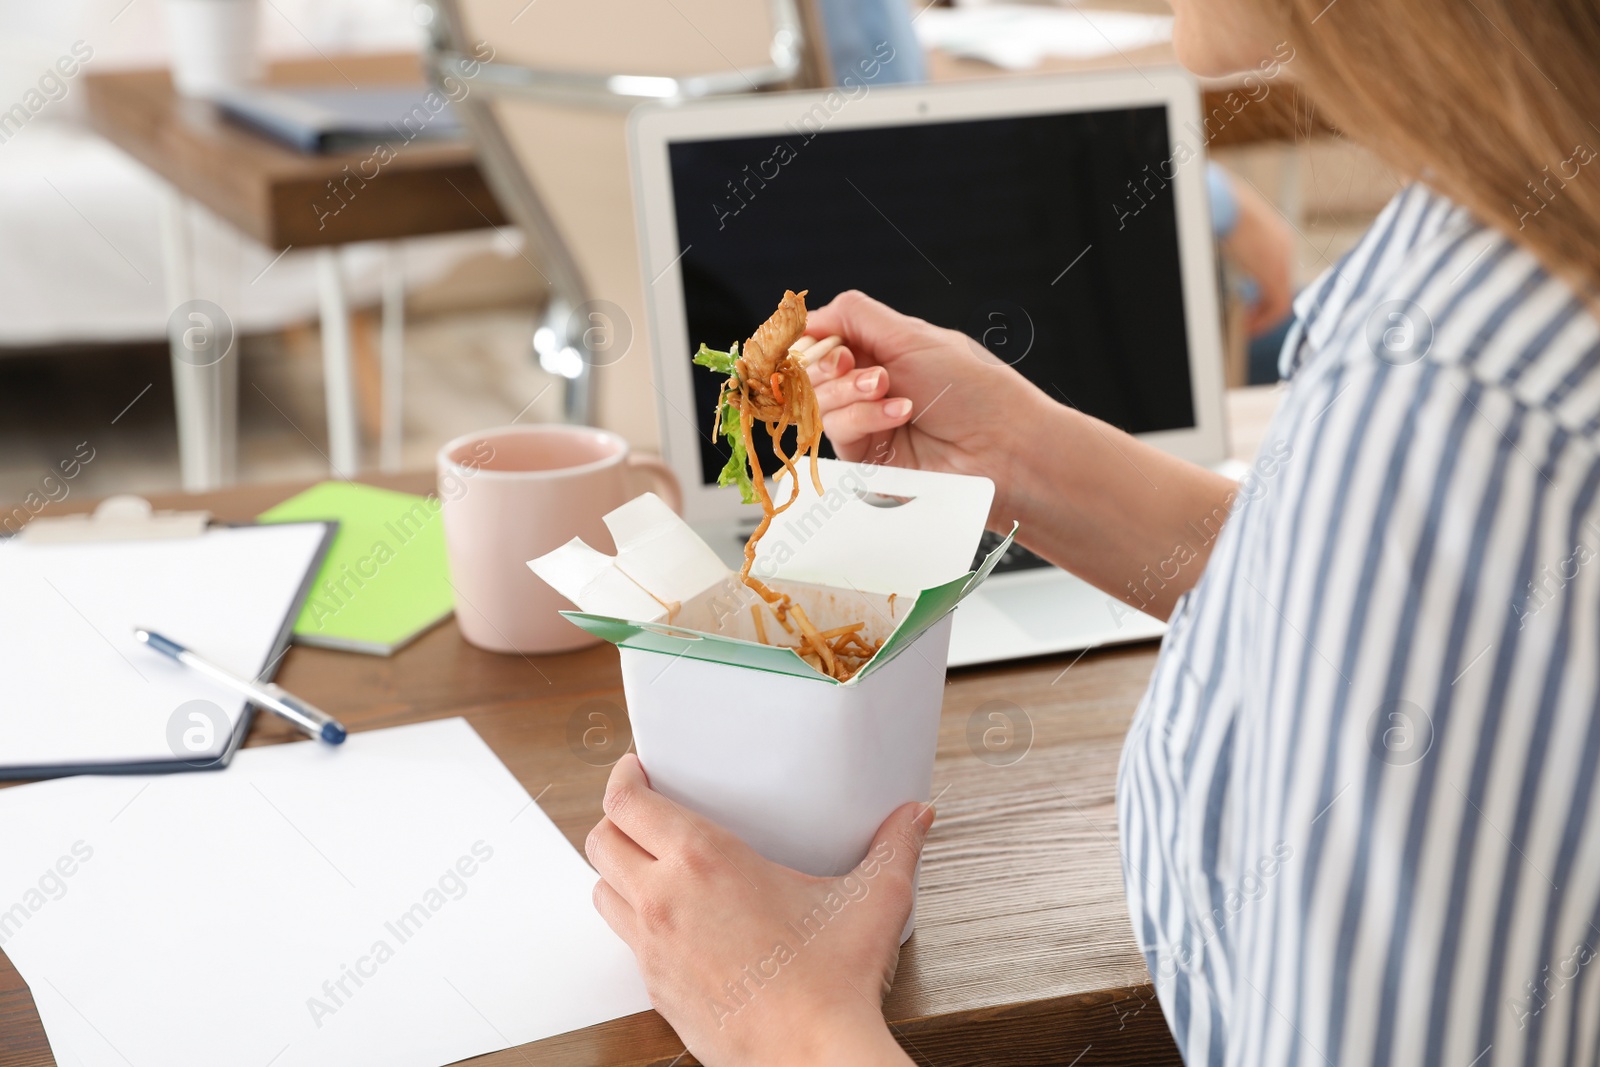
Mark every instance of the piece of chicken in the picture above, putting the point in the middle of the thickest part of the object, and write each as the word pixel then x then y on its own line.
pixel 770 343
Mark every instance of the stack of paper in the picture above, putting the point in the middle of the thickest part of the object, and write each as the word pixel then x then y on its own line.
pixel 396 900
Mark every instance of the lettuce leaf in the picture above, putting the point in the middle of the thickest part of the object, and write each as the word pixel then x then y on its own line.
pixel 721 362
pixel 737 470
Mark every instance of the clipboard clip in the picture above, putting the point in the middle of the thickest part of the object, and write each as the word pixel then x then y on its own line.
pixel 117 518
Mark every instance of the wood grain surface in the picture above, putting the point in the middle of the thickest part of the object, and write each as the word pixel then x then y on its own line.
pixel 280 196
pixel 1023 952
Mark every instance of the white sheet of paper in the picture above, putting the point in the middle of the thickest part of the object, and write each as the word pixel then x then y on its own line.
pixel 397 900
pixel 81 690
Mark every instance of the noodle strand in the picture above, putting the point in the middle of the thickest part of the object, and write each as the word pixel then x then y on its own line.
pixel 770 385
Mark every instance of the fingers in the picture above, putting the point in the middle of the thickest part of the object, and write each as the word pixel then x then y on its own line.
pixel 891 865
pixel 617 912
pixel 651 820
pixel 869 383
pixel 899 840
pixel 863 322
pixel 896 848
pixel 847 426
pixel 618 859
pixel 840 361
pixel 852 401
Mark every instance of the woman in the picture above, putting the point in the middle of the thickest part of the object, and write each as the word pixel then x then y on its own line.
pixel 1357 803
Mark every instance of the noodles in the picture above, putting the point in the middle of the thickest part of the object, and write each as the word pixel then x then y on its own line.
pixel 759 378
pixel 768 384
pixel 813 638
pixel 840 631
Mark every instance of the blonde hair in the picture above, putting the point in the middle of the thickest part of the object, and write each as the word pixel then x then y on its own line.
pixel 1488 101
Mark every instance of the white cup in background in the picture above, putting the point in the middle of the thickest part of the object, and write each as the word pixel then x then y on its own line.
pixel 213 44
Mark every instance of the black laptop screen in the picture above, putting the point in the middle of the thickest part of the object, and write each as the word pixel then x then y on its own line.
pixel 1051 238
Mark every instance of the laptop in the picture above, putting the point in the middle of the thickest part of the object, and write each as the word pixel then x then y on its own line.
pixel 1061 221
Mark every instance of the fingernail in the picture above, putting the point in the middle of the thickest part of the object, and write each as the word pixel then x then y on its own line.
pixel 869 381
pixel 830 363
pixel 896 408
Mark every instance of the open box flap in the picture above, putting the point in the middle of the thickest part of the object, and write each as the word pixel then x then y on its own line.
pixel 931 605
pixel 585 576
pixel 875 529
pixel 660 561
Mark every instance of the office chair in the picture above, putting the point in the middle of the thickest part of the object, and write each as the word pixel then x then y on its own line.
pixel 547 88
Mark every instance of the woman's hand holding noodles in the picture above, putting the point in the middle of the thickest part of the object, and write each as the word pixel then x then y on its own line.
pixel 1090 498
pixel 904 392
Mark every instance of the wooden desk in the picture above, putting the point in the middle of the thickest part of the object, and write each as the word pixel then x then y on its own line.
pixel 286 199
pixel 1023 953
pixel 273 193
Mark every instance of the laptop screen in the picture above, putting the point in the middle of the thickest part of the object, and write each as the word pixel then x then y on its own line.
pixel 1051 238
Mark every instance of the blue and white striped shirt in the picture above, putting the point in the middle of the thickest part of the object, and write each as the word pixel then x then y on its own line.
pixel 1358 804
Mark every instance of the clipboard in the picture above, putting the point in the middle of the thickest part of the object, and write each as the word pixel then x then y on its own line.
pixel 69 566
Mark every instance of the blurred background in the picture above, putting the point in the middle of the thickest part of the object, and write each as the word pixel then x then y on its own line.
pixel 394 318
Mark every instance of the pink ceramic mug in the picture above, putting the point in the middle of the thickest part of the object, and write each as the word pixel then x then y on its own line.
pixel 517 492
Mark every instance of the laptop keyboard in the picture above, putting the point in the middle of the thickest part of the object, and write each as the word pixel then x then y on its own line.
pixel 1016 558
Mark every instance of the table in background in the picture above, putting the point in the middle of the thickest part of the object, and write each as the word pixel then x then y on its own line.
pixel 270 193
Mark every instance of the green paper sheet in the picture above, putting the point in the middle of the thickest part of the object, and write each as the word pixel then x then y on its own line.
pixel 385 580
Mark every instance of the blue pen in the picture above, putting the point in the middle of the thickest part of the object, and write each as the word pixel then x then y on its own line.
pixel 269 695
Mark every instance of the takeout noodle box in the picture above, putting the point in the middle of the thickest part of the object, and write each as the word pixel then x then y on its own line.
pixel 800 766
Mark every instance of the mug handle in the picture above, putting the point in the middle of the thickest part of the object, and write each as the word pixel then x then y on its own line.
pixel 656 470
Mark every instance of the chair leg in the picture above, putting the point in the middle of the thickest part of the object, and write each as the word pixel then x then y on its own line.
pixel 343 441
pixel 393 357
pixel 225 380
pixel 205 415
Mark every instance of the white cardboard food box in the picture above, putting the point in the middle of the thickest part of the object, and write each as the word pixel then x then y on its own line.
pixel 803 768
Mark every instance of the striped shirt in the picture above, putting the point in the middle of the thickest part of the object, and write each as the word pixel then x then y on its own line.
pixel 1357 803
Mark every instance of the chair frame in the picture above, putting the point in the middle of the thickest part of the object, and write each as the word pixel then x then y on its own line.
pixel 496 80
